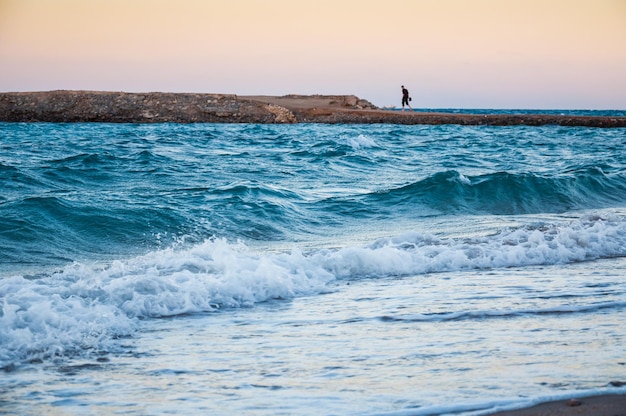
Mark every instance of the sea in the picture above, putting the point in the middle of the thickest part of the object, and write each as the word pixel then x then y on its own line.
pixel 309 269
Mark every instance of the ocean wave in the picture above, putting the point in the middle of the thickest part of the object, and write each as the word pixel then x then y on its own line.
pixel 504 193
pixel 86 306
pixel 590 238
pixel 74 191
pixel 54 228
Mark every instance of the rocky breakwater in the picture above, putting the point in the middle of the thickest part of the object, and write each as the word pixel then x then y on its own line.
pixel 120 107
pixel 349 109
pixel 323 115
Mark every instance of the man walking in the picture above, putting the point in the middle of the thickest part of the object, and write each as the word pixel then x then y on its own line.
pixel 406 98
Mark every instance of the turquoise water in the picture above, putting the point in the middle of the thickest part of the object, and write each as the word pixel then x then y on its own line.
pixel 569 112
pixel 308 269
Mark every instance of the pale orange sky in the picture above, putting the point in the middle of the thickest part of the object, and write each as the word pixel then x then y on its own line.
pixel 449 53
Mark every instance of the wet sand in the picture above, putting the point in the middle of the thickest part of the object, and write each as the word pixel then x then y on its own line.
pixel 604 405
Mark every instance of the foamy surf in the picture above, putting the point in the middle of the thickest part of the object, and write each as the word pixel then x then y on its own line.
pixel 87 306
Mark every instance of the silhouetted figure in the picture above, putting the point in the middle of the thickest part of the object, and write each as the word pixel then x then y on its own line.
pixel 406 98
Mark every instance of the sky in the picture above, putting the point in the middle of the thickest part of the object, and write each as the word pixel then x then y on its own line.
pixel 559 54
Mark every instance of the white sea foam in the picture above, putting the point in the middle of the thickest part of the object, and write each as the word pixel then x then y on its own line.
pixel 415 253
pixel 361 141
pixel 464 179
pixel 86 306
pixel 40 318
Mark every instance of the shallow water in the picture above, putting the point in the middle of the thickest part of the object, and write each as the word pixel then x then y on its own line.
pixel 308 269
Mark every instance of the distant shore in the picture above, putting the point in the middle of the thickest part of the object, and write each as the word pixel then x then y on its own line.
pixel 602 405
pixel 157 107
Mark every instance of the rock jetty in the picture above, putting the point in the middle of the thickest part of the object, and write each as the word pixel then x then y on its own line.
pixel 157 107
pixel 120 107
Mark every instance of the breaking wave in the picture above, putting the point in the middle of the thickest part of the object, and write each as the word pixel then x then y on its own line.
pixel 86 307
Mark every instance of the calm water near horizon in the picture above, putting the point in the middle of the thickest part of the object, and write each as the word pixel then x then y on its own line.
pixel 569 112
pixel 309 269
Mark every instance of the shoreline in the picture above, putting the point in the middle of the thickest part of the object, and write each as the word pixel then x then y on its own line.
pixel 606 404
pixel 159 107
